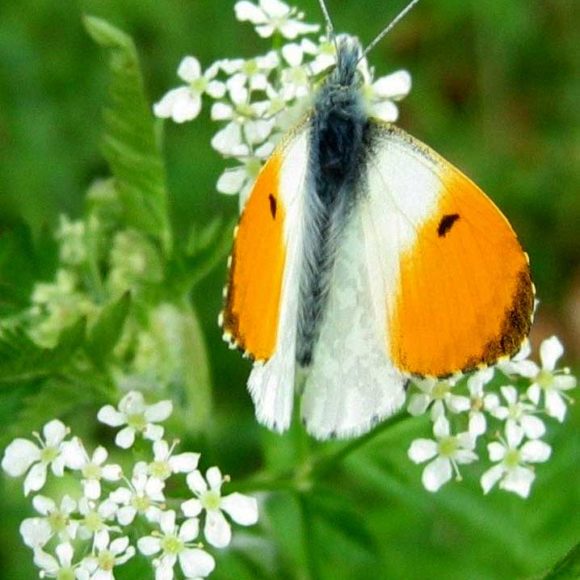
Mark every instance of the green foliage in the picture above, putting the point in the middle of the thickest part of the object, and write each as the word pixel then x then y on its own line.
pixel 329 511
pixel 131 145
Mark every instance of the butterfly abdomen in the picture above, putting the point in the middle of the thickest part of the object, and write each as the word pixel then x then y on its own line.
pixel 339 124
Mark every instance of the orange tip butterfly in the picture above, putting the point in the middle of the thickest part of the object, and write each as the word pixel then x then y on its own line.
pixel 362 259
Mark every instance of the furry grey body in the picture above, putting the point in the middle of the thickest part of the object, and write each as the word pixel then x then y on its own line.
pixel 338 130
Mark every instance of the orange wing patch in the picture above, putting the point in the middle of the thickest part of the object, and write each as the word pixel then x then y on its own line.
pixel 465 296
pixel 252 308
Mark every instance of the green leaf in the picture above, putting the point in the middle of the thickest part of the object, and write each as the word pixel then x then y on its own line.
pixel 106 331
pixel 130 142
pixel 567 567
pixel 22 360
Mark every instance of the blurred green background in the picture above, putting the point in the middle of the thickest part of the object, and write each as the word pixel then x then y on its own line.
pixel 496 91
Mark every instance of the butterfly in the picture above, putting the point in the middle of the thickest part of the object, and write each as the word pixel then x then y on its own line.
pixel 362 259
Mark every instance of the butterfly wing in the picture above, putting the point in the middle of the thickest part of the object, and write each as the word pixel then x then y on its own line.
pixel 261 298
pixel 429 280
pixel 458 289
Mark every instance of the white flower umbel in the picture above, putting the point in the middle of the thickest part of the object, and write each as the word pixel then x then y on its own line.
pixel 551 382
pixel 22 455
pixel 107 554
pixel 165 464
pixel 273 16
pixel 241 508
pixel 439 395
pixel 513 471
pixel 92 468
pixel 517 412
pixel 142 495
pixel 175 544
pixel 60 567
pixel 138 418
pixel 446 451
pixel 184 103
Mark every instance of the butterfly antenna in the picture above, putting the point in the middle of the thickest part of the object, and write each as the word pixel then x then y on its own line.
pixel 389 27
pixel 329 25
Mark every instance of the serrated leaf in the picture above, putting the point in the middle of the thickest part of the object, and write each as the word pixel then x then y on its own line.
pixel 106 331
pixel 130 142
pixel 22 360
pixel 57 397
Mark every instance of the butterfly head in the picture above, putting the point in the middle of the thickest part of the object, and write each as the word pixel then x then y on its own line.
pixel 346 73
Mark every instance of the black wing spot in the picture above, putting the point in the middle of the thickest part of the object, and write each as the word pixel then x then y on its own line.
pixel 446 224
pixel 273 206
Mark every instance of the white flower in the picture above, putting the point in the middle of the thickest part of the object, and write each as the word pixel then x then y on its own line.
pixel 519 413
pixel 106 555
pixel 440 394
pixel 240 179
pixel 60 567
pixel 22 455
pixel 241 508
pixel 92 468
pixel 57 517
pixel 184 103
pixel 71 236
pixel 138 417
pixel 274 16
pixel 448 450
pixel 165 464
pixel 512 471
pixel 551 382
pixel 95 517
pixel 253 73
pixel 475 384
pixel 176 544
pixel 36 532
pixel 519 363
pixel 381 94
pixel 143 495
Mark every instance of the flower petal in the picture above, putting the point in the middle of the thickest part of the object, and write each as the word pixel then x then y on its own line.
pixel 189 530
pixel 232 180
pixel 125 438
pixel 35 532
pixel 394 86
pixel 422 450
pixel 518 480
pixel 436 474
pixel 555 405
pixel 441 427
pixel 418 404
pixel 19 456
pixel 110 416
pixel 491 477
pixel 241 508
pixel 496 451
pixel 184 462
pixel 533 426
pixel 54 432
pixel 551 350
pixel 196 563
pixel 159 411
pixel 189 69
pixel 217 531
pixel 35 479
pixel 535 452
pixel 191 507
pixel 149 545
pixel 196 482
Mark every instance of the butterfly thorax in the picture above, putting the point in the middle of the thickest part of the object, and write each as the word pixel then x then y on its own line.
pixel 339 124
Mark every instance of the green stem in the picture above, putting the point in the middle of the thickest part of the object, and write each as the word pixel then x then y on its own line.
pixel 308 539
pixel 315 467
pixel 324 462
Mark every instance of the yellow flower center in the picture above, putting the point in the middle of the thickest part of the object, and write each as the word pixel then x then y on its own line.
pixel 65 574
pixel 137 421
pixel 545 379
pixel 512 458
pixel 160 469
pixel 106 560
pixel 441 390
pixel 448 446
pixel 172 544
pixel 48 454
pixel 211 500
pixel 93 521
pixel 58 521
pixel 92 471
pixel 141 503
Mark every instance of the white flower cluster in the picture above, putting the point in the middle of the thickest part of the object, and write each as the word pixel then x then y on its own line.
pixel 518 415
pixel 257 100
pixel 88 534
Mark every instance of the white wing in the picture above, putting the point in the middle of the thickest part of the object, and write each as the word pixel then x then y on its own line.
pixel 271 385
